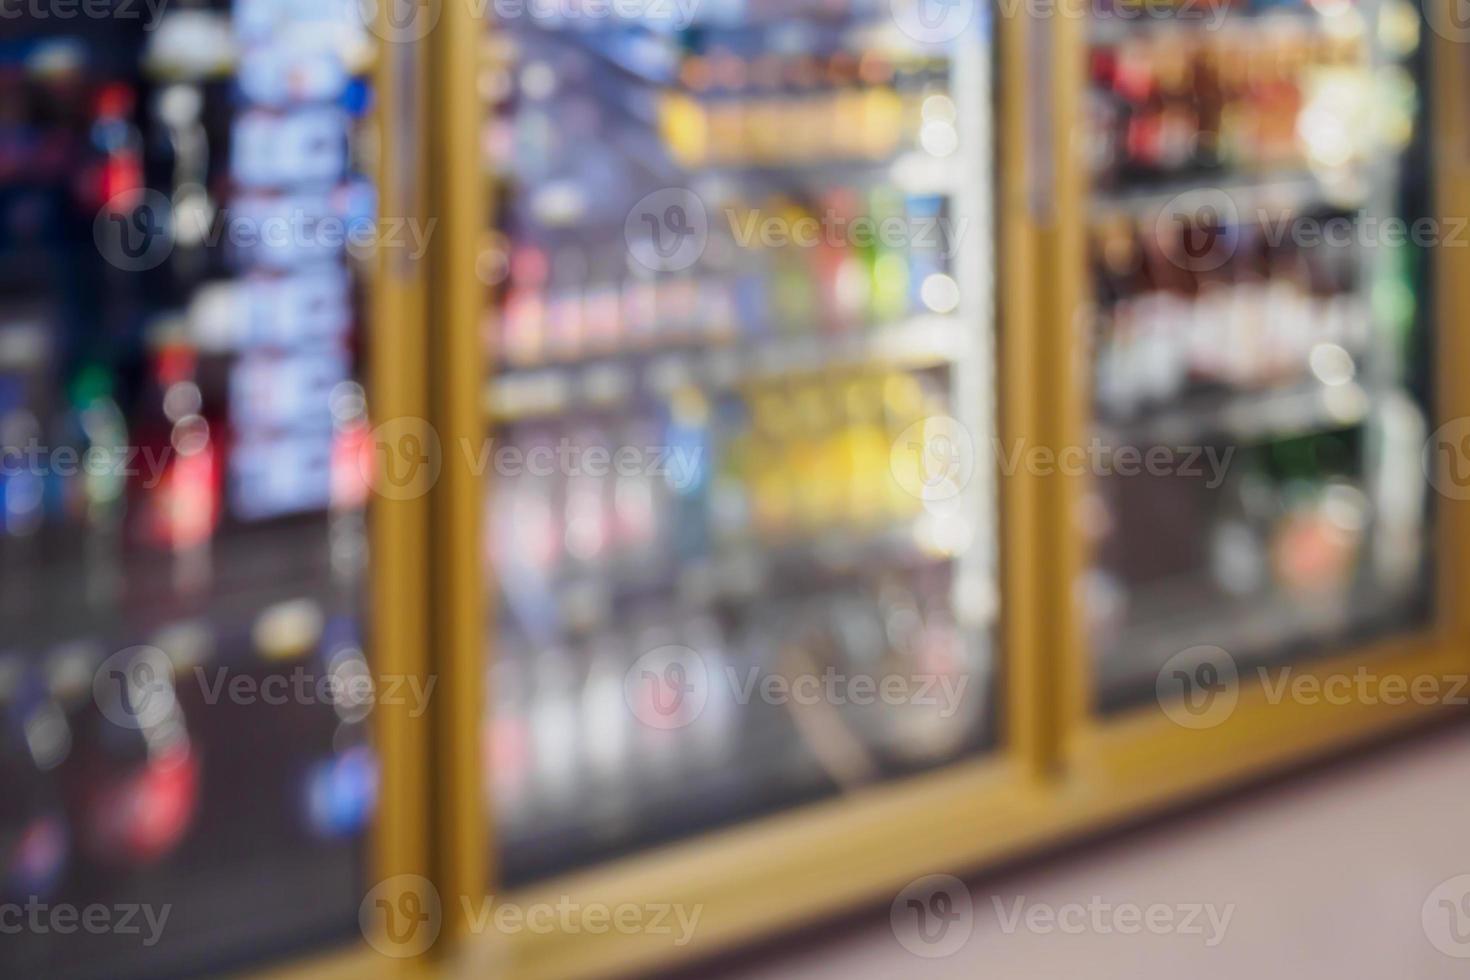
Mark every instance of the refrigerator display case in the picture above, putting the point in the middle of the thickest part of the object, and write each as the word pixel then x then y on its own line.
pixel 717 385
pixel 1250 342
pixel 1220 365
pixel 185 678
pixel 697 495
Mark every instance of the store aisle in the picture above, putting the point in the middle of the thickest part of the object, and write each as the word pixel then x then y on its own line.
pixel 1328 876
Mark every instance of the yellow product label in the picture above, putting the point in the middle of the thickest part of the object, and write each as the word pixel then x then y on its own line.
pixel 685 129
pixel 882 122
pixel 847 112
pixel 726 132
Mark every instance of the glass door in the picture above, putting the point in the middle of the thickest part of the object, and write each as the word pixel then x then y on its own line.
pixel 1257 236
pixel 185 208
pixel 740 504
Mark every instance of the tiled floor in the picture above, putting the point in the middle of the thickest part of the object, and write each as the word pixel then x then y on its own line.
pixel 1332 874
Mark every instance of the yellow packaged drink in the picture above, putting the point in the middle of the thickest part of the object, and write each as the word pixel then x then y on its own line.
pixel 866 448
pixel 903 406
pixel 816 463
pixel 772 505
pixel 685 128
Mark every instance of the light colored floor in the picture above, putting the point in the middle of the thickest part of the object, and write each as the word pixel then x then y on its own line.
pixel 1330 875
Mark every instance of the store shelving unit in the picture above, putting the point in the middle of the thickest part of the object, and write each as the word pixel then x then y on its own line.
pixel 1121 747
pixel 252 552
pixel 1067 758
pixel 790 859
pixel 1075 750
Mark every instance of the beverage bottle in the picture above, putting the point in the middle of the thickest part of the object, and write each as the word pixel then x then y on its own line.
pixel 587 525
pixel 890 276
pixel 556 724
pixel 564 304
pixel 508 749
pixel 96 497
pixel 843 281
pixel 35 738
pixel 772 482
pixel 688 448
pixel 178 507
pixel 608 724
pixel 523 331
pixel 132 782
